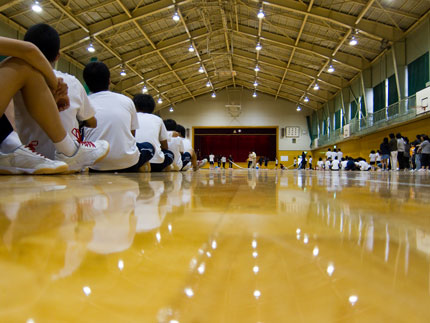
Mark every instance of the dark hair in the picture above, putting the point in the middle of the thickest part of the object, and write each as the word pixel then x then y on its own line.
pixel 170 124
pixel 46 39
pixel 398 136
pixel 372 152
pixel 320 158
pixel 329 149
pixel 181 130
pixel 144 103
pixel 385 141
pixel 391 135
pixel 97 76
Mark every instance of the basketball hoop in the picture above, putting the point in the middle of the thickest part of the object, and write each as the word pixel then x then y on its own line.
pixel 234 109
pixel 234 104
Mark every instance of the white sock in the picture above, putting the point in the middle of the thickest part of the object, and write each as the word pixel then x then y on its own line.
pixel 10 143
pixel 66 146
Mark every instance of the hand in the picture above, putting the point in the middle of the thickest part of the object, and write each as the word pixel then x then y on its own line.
pixel 61 95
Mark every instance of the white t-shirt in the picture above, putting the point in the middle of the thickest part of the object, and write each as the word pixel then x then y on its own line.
pixel 339 155
pixel 378 157
pixel 327 165
pixel 152 130
pixel 211 158
pixel 320 164
pixel 335 165
pixel 310 160
pixel 328 154
pixel 187 145
pixel 80 109
pixel 372 157
pixel 176 146
pixel 223 159
pixel 363 165
pixel 116 118
pixel 343 163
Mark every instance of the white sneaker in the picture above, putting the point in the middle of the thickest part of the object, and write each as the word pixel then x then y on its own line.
pixel 25 160
pixel 87 154
pixel 202 162
pixel 186 167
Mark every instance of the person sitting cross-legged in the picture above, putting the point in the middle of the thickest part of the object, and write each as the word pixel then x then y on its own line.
pixel 116 123
pixel 152 130
pixel 27 71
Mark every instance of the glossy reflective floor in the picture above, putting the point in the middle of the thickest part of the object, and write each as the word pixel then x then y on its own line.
pixel 216 246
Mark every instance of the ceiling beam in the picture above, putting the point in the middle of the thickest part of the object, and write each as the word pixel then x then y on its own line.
pixel 349 61
pixel 371 28
pixel 78 36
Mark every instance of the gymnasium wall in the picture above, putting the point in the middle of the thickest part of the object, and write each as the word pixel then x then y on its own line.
pixel 361 146
pixel 263 110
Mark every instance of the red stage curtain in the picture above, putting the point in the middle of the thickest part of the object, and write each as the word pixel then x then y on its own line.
pixel 236 145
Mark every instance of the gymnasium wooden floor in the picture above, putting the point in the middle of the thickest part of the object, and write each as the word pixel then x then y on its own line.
pixel 216 246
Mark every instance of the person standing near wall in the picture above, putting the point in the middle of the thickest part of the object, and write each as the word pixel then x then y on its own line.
pixel 393 151
pixel 211 160
pixel 223 161
pixel 230 161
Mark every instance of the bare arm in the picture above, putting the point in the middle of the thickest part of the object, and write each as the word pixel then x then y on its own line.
pixel 164 145
pixel 90 123
pixel 32 55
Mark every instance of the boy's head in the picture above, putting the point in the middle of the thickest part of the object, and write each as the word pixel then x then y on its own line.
pixel 170 124
pixel 391 135
pixel 144 103
pixel 181 130
pixel 46 39
pixel 97 77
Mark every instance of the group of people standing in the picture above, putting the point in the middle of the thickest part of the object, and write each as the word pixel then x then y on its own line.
pixel 398 153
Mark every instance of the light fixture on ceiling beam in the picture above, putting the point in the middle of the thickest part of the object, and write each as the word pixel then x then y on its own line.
pixel 257 69
pixel 258 47
pixel 191 49
pixel 171 109
pixel 91 48
pixel 330 69
pixel 316 87
pixel 144 89
pixel 299 108
pixel 160 100
pixel 255 83
pixel 201 69
pixel 254 95
pixel 176 17
pixel 208 84
pixel 36 7
pixel 122 73
pixel 213 95
pixel 260 14
pixel 353 41
pixel 306 99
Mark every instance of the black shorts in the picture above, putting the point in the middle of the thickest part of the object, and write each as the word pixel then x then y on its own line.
pixel 372 163
pixel 425 160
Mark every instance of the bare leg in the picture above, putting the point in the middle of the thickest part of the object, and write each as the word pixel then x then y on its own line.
pixel 16 75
